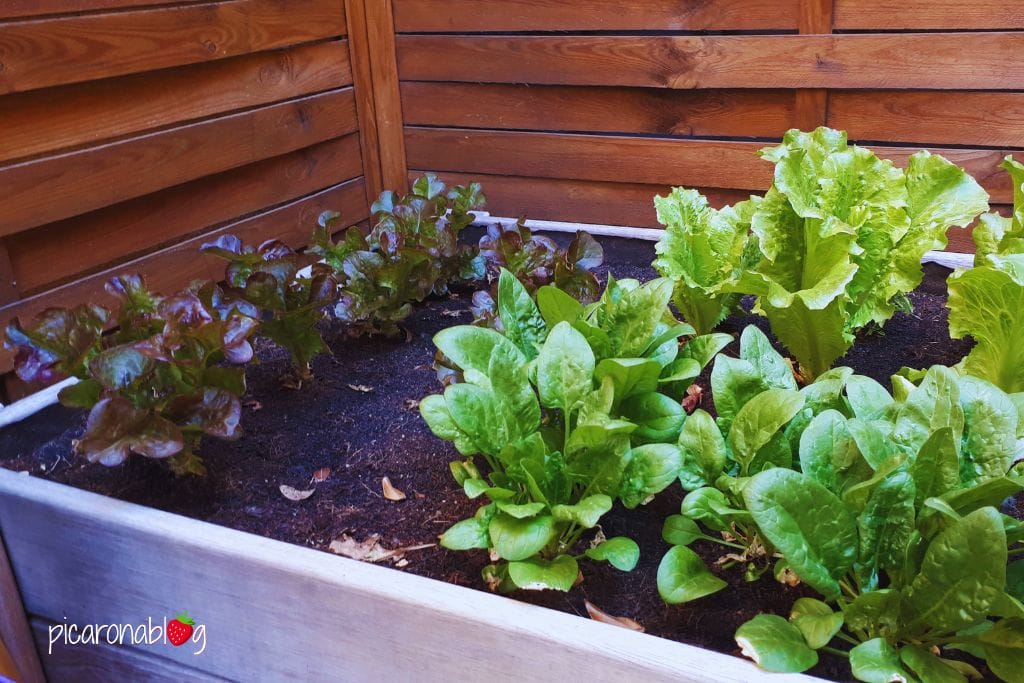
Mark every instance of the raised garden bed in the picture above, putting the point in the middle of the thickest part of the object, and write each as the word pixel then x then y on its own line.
pixel 98 560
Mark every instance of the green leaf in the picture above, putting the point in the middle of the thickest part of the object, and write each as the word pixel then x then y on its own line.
pixel 703 348
pixel 523 511
pixel 467 534
pixel 84 394
pixel 936 469
pixel 658 418
pixel 876 661
pixel 807 523
pixel 756 349
pixel 556 306
pixel 518 539
pixel 887 522
pixel 630 376
pixel 874 611
pixel 703 451
pixel 816 621
pixel 520 317
pixel 116 428
pixel 565 368
pixel 868 399
pixel 559 574
pixel 829 453
pixel 435 413
pixel 991 421
pixel 775 644
pixel 962 574
pixel 931 406
pixel 682 577
pixel 587 513
pixel 929 667
pixel 620 552
pixel 469 346
pixel 120 367
pixel 1004 649
pixel 680 530
pixel 709 505
pixel 651 469
pixel 759 420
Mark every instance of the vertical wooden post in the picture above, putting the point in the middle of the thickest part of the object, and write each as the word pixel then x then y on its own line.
pixel 362 81
pixel 812 103
pixel 15 633
pixel 380 25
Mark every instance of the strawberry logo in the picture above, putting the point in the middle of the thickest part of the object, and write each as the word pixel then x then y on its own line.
pixel 179 629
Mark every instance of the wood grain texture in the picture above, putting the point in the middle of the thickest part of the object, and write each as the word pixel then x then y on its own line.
pixel 56 187
pixel 8 286
pixel 52 119
pixel 37 8
pixel 15 634
pixel 579 201
pixel 171 268
pixel 346 621
pixel 935 61
pixel 425 16
pixel 982 119
pixel 815 18
pixel 693 163
pixel 707 113
pixel 56 253
pixel 888 15
pixel 69 49
pixel 366 108
pixel 386 96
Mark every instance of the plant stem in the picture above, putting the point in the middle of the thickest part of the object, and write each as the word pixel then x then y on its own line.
pixel 837 652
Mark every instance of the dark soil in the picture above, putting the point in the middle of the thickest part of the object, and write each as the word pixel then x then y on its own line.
pixel 359 418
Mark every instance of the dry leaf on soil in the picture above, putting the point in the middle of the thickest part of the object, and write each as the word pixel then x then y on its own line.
pixel 361 388
pixel 692 399
pixel 292 493
pixel 390 492
pixel 598 614
pixel 320 475
pixel 370 550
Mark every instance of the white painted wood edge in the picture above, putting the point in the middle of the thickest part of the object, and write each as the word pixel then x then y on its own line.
pixel 944 258
pixel 33 403
pixel 582 641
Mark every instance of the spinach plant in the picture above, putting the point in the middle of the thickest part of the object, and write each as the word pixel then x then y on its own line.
pixel 987 302
pixel 536 261
pixel 567 411
pixel 704 251
pixel 412 251
pixel 265 282
pixel 154 386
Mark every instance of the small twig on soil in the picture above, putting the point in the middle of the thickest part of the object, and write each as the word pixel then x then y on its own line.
pixel 363 484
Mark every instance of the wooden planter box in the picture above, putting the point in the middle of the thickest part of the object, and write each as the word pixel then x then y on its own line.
pixel 275 611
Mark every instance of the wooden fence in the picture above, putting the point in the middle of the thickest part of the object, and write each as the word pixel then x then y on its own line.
pixel 133 130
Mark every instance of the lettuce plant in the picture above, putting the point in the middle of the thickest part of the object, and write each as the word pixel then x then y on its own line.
pixel 566 410
pixel 841 234
pixel 265 282
pixel 987 302
pixel 412 251
pixel 537 261
pixel 704 251
pixel 154 386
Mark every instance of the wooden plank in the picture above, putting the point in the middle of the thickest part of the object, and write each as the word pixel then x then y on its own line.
pixel 105 662
pixel 981 119
pixel 55 187
pixel 579 201
pixel 346 620
pixel 37 8
pixel 466 16
pixel 890 15
pixel 69 49
pixel 386 96
pixel 47 120
pixel 173 267
pixel 366 109
pixel 932 60
pixel 8 283
pixel 812 104
pixel 656 161
pixel 52 254
pixel 15 636
pixel 726 113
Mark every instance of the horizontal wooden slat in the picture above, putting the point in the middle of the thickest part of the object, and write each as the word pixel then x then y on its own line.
pixel 694 163
pixel 69 49
pixel 934 60
pixel 49 189
pixel 927 117
pixel 887 15
pixel 55 253
pixel 69 116
pixel 176 266
pixel 739 113
pixel 580 201
pixel 424 16
pixel 35 8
